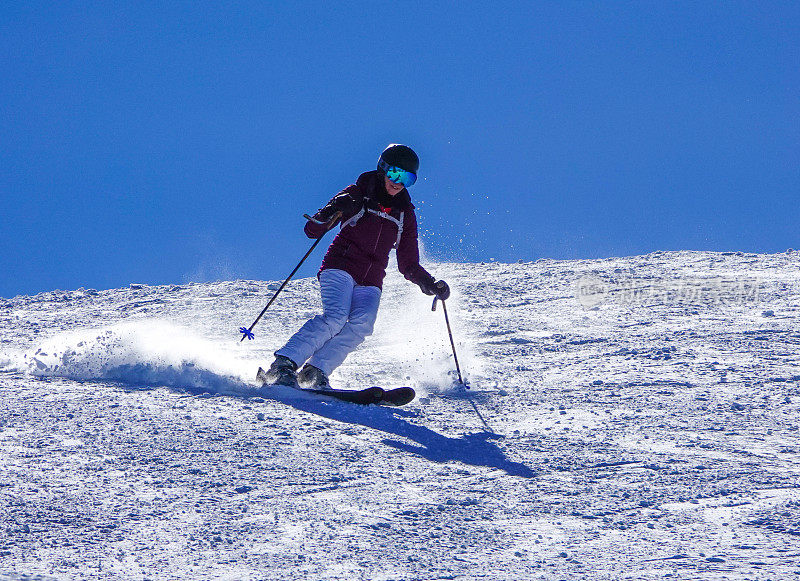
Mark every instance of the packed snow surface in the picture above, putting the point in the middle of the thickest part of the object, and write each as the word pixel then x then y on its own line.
pixel 643 419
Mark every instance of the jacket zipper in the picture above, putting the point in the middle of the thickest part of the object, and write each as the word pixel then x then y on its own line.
pixel 377 240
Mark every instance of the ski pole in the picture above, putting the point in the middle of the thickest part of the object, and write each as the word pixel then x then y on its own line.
pixel 452 343
pixel 248 332
pixel 458 368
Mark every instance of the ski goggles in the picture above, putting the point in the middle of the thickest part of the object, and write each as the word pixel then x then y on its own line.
pixel 398 175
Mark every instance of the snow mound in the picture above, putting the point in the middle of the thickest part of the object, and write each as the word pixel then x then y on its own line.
pixel 141 353
pixel 7 363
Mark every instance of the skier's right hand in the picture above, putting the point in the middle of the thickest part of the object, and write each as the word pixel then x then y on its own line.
pixel 329 215
pixel 323 221
pixel 326 214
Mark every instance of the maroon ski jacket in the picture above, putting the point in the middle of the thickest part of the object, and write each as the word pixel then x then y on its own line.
pixel 373 222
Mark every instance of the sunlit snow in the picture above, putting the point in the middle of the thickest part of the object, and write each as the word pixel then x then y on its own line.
pixel 643 412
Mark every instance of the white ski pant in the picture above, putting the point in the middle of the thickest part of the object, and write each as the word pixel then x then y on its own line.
pixel 348 316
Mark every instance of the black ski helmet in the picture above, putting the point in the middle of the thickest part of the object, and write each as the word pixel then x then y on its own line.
pixel 400 156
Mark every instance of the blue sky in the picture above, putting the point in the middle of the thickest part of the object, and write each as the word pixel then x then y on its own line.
pixel 166 142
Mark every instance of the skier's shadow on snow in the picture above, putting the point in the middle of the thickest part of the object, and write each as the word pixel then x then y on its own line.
pixel 476 449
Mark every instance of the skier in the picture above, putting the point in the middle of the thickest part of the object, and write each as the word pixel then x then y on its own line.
pixel 376 215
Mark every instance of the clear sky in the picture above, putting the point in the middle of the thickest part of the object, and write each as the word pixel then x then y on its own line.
pixel 167 142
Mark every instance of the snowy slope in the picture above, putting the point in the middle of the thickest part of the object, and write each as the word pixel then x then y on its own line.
pixel 645 410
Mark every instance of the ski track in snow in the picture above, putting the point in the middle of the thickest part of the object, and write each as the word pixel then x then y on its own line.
pixel 637 436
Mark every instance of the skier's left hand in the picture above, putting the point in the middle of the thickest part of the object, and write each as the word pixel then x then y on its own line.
pixel 439 288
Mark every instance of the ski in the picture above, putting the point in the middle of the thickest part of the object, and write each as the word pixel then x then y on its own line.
pixel 398 396
pixel 361 397
pixel 372 395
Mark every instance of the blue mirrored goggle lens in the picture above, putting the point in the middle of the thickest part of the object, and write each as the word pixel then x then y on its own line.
pixel 399 176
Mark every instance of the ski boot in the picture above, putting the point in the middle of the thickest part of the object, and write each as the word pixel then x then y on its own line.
pixel 281 372
pixel 311 377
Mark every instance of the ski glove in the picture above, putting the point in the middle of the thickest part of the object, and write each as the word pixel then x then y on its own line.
pixel 341 203
pixel 324 215
pixel 438 288
pixel 326 219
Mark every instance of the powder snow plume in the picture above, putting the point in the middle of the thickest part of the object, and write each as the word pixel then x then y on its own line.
pixel 414 339
pixel 140 353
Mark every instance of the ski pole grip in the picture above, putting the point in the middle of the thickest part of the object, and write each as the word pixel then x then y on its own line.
pixel 330 223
